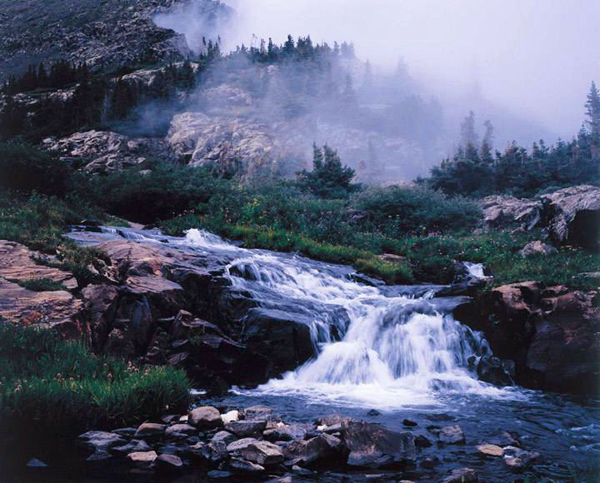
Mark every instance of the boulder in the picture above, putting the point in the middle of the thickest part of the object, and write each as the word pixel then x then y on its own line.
pixel 286 432
pixel 573 216
pixel 373 446
pixel 169 463
pixel 258 413
pixel 245 428
pixel 151 431
pixel 223 436
pixel 180 431
pixel 537 247
pixel 323 449
pixel 260 452
pixel 206 417
pixel 143 458
pixel 243 466
pixel 490 450
pixel 505 211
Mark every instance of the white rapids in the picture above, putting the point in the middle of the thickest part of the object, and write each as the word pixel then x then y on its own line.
pixel 388 349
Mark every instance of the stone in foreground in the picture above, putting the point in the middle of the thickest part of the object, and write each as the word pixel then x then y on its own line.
pixel 206 417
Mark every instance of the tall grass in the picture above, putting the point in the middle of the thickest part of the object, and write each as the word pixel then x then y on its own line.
pixel 50 384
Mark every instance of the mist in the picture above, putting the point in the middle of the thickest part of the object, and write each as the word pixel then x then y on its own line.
pixel 534 58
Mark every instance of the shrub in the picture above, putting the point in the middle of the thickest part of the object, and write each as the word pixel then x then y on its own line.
pixel 41 285
pixel 25 168
pixel 329 177
pixel 50 384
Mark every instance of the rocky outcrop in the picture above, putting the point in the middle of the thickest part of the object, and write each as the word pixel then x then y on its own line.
pixel 108 34
pixel 551 334
pixel 105 151
pixel 568 216
pixel 573 216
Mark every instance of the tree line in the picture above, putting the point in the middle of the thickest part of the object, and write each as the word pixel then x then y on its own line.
pixel 475 170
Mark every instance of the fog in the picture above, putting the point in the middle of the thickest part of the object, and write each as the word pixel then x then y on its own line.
pixel 533 57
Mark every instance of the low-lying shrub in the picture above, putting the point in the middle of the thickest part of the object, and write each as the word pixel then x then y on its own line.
pixel 40 285
pixel 50 384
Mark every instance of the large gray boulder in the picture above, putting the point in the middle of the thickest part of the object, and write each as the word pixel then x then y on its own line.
pixel 503 211
pixel 573 216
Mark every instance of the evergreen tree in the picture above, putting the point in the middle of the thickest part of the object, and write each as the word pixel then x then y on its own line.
pixel 488 142
pixel 468 135
pixel 593 122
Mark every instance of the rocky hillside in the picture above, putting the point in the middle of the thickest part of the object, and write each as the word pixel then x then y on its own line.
pixel 107 33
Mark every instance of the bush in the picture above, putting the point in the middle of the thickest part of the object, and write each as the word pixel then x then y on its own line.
pixel 41 285
pixel 49 384
pixel 398 211
pixel 25 168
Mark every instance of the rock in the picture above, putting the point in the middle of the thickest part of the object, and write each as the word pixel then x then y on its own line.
pixel 490 450
pixel 373 446
pixel 135 446
pixel 260 452
pixel 422 442
pixel 505 438
pixel 491 369
pixel 206 417
pixel 35 463
pixel 223 436
pixel 219 475
pixel 258 413
pixel 430 462
pixel 246 428
pixel 243 466
pixel 100 440
pixel 230 417
pixel 287 432
pixel 332 420
pixel 573 216
pixel 151 431
pixel 180 431
pixel 503 211
pixel 451 435
pixel 321 449
pixel 517 459
pixel 99 456
pixel 462 475
pixel 537 248
pixel 373 413
pixel 144 458
pixel 169 463
pixel 408 422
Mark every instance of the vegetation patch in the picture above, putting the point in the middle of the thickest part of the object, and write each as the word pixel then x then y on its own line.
pixel 50 384
pixel 40 285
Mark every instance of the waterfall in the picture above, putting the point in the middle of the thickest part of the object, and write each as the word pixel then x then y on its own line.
pixel 378 347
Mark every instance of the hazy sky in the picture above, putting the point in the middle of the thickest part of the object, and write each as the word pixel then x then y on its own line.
pixel 536 57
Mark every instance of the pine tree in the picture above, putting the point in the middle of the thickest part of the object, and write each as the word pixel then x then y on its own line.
pixel 593 122
pixel 488 142
pixel 468 135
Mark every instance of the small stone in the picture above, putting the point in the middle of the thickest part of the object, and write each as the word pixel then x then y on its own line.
pixel 422 442
pixel 462 475
pixel 490 449
pixel 170 418
pixel 35 463
pixel 452 435
pixel 245 466
pixel 206 417
pixel 169 463
pixel 517 459
pixel 230 417
pixel 180 431
pixel 224 436
pixel 246 428
pixel 127 432
pixel 135 446
pixel 504 438
pixel 430 463
pixel 219 475
pixel 150 431
pixel 143 457
pixel 99 456
pixel 100 440
pixel 408 422
pixel 373 413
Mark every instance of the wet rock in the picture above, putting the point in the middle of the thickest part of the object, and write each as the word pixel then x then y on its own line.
pixel 286 432
pixel 243 466
pixel 462 475
pixel 100 440
pixel 126 432
pixel 135 446
pixel 493 370
pixel 258 413
pixel 219 475
pixel 206 417
pixel 169 463
pixel 373 413
pixel 505 438
pixel 259 452
pixel 99 456
pixel 408 422
pixel 180 431
pixel 35 463
pixel 451 435
pixel 422 442
pixel 246 428
pixel 151 431
pixel 223 436
pixel 373 446
pixel 145 458
pixel 537 248
pixel 518 460
pixel 315 451
pixel 332 420
pixel 490 449
pixel 430 462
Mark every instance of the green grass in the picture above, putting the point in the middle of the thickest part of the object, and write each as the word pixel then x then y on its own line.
pixel 50 384
pixel 40 285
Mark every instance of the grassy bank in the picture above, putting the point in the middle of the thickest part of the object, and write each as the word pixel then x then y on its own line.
pixel 49 384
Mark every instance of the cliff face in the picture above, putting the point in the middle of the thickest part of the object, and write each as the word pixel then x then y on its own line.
pixel 99 32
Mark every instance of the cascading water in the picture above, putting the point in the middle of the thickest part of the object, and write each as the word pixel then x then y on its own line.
pixel 378 346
